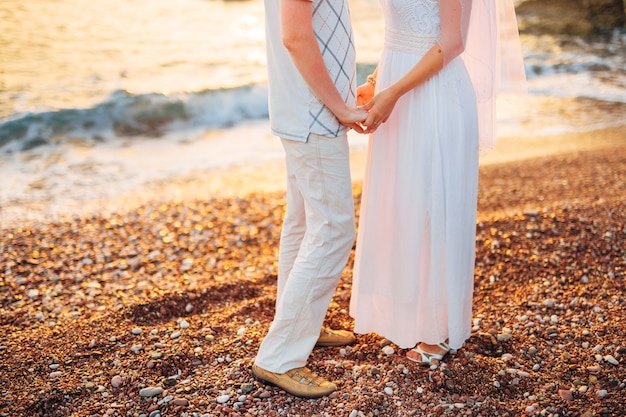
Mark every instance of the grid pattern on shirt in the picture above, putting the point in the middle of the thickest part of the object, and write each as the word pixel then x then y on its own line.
pixel 331 22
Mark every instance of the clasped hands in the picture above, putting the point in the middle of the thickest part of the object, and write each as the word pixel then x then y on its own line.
pixel 372 110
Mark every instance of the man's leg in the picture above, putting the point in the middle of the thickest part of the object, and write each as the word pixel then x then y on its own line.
pixel 321 170
pixel 292 234
pixel 293 229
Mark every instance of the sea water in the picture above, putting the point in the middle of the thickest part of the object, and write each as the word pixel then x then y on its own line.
pixel 104 97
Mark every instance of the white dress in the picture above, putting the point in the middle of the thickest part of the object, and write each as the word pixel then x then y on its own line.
pixel 414 266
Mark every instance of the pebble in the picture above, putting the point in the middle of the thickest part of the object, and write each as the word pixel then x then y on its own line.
pixel 175 335
pixel 136 331
pixel 602 393
pixel 55 374
pixel 265 394
pixel 388 390
pixel 186 265
pixel 247 387
pixel 116 381
pixel 181 402
pixel 223 399
pixel 504 337
pixel 184 324
pixel 594 369
pixel 566 394
pixel 388 350
pixel 610 359
pixel 150 391
pixel 166 399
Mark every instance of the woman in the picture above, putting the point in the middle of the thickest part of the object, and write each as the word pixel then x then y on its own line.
pixel 413 275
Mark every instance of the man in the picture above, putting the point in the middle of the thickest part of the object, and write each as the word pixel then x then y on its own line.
pixel 312 82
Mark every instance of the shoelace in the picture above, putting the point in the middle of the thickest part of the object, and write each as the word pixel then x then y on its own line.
pixel 306 376
pixel 329 332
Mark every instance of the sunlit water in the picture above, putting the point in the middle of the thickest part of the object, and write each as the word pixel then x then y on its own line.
pixel 100 98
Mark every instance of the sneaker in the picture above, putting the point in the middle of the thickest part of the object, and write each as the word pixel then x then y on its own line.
pixel 301 382
pixel 329 337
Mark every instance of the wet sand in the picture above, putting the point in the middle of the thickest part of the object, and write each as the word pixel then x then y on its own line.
pixel 270 176
pixel 176 293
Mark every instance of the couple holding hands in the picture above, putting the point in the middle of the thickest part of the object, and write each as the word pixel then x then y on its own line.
pixel 429 107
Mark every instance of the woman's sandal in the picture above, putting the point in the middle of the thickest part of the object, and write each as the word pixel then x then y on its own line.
pixel 425 357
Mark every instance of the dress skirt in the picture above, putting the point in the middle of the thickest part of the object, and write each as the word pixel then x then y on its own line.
pixel 414 266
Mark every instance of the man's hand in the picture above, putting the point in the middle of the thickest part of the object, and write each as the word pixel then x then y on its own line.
pixel 353 118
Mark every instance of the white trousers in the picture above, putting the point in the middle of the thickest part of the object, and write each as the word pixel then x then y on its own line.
pixel 317 236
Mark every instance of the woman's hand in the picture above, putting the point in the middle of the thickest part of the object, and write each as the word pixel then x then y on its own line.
pixel 379 108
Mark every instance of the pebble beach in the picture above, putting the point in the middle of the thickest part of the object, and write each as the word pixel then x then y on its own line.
pixel 158 310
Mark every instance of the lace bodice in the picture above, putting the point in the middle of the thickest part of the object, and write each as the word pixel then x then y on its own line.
pixel 419 16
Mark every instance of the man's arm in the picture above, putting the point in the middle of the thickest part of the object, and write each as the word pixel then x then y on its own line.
pixel 298 37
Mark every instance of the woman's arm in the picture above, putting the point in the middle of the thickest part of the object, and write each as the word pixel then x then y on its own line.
pixel 450 45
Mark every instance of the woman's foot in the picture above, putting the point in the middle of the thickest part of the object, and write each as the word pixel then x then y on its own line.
pixel 424 352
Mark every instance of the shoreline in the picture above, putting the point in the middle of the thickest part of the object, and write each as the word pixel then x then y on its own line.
pixel 268 176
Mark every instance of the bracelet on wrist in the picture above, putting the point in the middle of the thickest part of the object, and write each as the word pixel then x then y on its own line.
pixel 371 79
